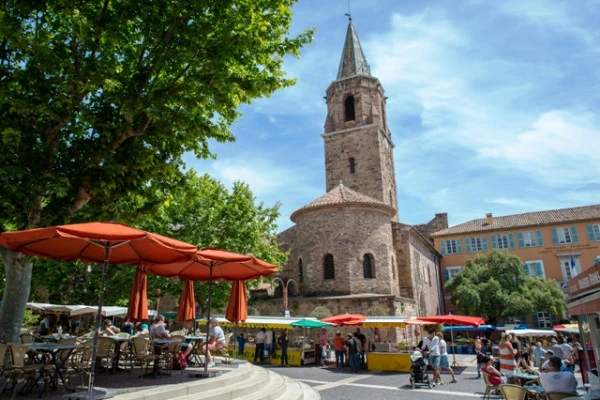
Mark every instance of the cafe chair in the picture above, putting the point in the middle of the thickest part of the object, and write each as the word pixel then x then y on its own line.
pixel 489 388
pixel 172 355
pixel 105 352
pixel 224 352
pixel 142 352
pixel 560 396
pixel 27 338
pixel 513 392
pixel 81 362
pixel 23 372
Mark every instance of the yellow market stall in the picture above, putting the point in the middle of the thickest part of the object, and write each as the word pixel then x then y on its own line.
pixel 300 350
pixel 389 356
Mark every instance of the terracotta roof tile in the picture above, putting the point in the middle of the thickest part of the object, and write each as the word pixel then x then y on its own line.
pixel 537 218
pixel 342 196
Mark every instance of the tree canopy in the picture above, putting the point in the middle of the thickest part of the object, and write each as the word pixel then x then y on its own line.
pixel 496 285
pixel 99 101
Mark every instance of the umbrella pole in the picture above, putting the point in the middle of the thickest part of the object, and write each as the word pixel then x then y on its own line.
pixel 454 364
pixel 208 318
pixel 107 247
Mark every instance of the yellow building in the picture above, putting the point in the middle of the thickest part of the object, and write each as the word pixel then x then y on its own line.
pixel 555 244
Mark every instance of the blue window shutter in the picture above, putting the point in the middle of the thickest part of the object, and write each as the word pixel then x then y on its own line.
pixel 468 244
pixel 443 247
pixel 540 238
pixel 526 269
pixel 574 235
pixel 538 269
pixel 484 244
pixel 590 233
pixel 521 241
pixel 458 246
pixel 554 236
pixel 494 242
pixel 511 241
pixel 446 275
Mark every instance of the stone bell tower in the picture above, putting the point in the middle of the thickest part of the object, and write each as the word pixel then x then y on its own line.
pixel 358 143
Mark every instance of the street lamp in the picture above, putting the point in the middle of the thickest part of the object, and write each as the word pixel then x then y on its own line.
pixel 285 285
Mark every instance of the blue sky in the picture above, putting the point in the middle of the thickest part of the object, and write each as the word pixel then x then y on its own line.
pixel 493 107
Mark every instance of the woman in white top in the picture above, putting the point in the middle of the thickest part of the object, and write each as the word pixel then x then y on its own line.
pixel 216 340
pixel 444 362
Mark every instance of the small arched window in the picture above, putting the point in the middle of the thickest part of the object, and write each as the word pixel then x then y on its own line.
pixel 352 165
pixel 393 268
pixel 300 271
pixel 349 113
pixel 368 268
pixel 328 267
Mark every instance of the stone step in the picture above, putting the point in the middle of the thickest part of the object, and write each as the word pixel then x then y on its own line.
pixel 235 390
pixel 271 391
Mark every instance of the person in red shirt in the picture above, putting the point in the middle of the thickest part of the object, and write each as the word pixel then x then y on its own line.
pixel 338 346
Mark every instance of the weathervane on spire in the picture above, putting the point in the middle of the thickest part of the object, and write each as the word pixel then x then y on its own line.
pixel 349 14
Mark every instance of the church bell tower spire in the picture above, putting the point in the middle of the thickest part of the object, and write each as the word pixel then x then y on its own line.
pixel 358 143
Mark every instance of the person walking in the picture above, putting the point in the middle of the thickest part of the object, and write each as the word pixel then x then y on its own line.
pixel 324 343
pixel 444 362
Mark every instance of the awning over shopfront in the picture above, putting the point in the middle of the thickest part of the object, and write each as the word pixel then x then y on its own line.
pixel 258 322
pixel 384 322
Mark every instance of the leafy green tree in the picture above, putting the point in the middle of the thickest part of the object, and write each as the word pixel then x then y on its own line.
pixel 99 100
pixel 495 285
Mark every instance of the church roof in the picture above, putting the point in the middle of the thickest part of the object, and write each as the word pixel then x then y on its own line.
pixel 538 218
pixel 353 61
pixel 342 196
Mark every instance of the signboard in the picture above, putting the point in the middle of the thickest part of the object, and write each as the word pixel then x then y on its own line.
pixel 586 281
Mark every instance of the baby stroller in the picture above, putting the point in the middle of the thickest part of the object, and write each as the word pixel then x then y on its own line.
pixel 418 370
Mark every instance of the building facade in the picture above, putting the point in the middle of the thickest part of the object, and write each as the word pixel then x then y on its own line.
pixel 555 244
pixel 348 251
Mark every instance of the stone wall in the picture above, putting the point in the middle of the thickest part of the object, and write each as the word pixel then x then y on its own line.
pixel 347 233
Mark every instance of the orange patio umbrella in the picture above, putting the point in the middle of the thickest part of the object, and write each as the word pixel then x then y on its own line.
pixel 187 303
pixel 138 299
pixel 98 242
pixel 210 265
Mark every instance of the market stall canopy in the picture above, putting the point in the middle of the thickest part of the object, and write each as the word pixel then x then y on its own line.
pixel 455 328
pixel 415 321
pixel 310 323
pixel 455 319
pixel 570 328
pixel 531 332
pixel 257 322
pixel 345 319
pixel 384 322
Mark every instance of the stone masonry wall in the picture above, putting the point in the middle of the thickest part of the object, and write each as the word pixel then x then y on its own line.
pixel 347 233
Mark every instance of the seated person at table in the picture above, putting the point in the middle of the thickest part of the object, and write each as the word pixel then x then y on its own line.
pixel 142 329
pixel 494 376
pixel 159 331
pixel 44 328
pixel 526 361
pixel 216 340
pixel 556 380
pixel 108 329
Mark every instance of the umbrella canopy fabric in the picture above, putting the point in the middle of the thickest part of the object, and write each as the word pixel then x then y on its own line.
pixel 87 242
pixel 187 303
pixel 469 328
pixel 138 299
pixel 215 264
pixel 310 323
pixel 107 311
pixel 237 308
pixel 454 319
pixel 345 319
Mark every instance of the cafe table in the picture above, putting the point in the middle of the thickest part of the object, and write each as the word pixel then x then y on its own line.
pixel 53 349
pixel 195 341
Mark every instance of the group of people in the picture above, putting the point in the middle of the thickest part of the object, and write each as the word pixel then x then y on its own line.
pixel 555 364
pixel 437 349
pixel 264 345
pixel 352 349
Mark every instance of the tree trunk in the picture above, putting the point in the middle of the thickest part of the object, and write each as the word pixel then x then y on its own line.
pixel 17 286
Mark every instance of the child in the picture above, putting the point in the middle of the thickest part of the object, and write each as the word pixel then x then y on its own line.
pixel 241 343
